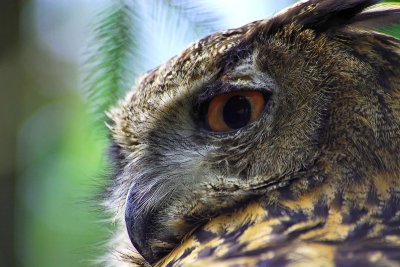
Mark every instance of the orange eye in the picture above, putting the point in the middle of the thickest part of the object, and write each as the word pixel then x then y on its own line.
pixel 234 110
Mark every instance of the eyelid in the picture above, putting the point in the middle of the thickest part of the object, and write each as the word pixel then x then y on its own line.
pixel 217 89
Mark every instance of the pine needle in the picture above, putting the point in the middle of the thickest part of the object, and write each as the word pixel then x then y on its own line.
pixel 107 65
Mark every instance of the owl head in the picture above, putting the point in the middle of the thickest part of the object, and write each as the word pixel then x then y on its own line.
pixel 243 113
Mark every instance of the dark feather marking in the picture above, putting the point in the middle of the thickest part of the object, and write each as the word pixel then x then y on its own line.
pixel 278 260
pixel 203 235
pixel 206 252
pixel 233 235
pixel 360 231
pixel 298 216
pixel 337 202
pixel 395 230
pixel 187 252
pixel 354 215
pixel 390 208
pixel 276 210
pixel 173 262
pixel 321 209
pixel 300 231
pixel 235 249
pixel 372 197
pixel 286 193
pixel 284 225
pixel 235 253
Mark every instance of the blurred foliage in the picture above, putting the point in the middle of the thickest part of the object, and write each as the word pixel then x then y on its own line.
pixel 58 223
pixel 60 158
pixel 108 65
pixel 393 30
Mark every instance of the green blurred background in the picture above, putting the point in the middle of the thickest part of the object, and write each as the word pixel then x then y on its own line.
pixel 52 159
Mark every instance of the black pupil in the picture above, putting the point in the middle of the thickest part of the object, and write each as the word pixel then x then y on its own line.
pixel 237 112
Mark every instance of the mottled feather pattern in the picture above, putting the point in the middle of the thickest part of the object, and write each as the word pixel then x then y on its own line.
pixel 307 231
pixel 315 181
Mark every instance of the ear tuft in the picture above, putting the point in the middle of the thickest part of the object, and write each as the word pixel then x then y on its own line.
pixel 378 17
pixel 323 15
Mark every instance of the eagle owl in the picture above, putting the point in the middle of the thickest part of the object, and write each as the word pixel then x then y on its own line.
pixel 273 144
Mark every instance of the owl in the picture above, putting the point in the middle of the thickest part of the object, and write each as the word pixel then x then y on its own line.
pixel 273 144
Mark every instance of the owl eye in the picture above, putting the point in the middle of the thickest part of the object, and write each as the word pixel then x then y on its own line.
pixel 232 111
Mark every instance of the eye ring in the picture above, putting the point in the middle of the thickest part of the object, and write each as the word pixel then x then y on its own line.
pixel 232 111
